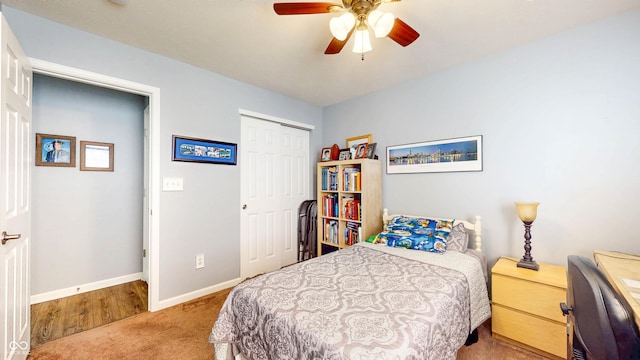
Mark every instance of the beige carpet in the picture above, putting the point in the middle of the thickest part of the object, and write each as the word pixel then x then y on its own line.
pixel 181 332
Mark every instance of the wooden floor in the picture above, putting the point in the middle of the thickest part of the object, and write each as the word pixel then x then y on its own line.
pixel 62 317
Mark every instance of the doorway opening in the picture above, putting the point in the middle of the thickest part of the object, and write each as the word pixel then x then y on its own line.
pixel 152 184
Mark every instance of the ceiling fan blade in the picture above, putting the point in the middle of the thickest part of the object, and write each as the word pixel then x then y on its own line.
pixel 300 8
pixel 402 33
pixel 335 46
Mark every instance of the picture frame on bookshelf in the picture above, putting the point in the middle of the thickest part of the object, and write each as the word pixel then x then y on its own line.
pixel 345 154
pixel 353 142
pixel 371 150
pixel 448 155
pixel 326 154
pixel 361 151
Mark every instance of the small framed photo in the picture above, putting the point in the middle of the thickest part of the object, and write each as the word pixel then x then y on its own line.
pixel 204 151
pixel 326 154
pixel 96 156
pixel 353 142
pixel 345 154
pixel 55 150
pixel 371 150
pixel 361 151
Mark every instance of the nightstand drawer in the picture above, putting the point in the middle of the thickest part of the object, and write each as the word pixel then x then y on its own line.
pixel 539 333
pixel 534 298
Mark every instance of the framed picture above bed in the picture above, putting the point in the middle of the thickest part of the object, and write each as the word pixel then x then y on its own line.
pixel 448 155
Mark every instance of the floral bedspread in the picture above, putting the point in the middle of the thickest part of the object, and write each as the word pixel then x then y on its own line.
pixel 364 302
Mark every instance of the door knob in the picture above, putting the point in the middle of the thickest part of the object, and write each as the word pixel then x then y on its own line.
pixel 244 206
pixel 6 237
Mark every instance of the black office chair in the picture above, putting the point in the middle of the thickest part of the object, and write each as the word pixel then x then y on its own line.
pixel 601 321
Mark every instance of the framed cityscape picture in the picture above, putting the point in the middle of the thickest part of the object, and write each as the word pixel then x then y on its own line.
pixel 459 154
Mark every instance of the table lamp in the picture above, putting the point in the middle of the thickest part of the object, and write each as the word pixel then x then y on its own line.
pixel 527 212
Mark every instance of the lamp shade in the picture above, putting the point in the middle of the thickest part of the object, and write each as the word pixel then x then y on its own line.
pixel 341 25
pixel 381 22
pixel 362 43
pixel 527 211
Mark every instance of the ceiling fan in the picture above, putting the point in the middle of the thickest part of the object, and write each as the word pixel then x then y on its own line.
pixel 359 16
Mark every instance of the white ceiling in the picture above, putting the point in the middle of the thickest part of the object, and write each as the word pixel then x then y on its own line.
pixel 247 41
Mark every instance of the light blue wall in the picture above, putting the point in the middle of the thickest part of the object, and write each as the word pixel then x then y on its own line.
pixel 87 224
pixel 560 120
pixel 203 218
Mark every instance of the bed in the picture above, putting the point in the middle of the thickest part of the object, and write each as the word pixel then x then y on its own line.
pixel 378 299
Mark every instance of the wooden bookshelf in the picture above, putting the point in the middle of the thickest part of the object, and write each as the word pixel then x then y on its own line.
pixel 349 202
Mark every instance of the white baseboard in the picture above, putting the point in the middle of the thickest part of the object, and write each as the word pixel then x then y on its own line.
pixel 163 304
pixel 79 289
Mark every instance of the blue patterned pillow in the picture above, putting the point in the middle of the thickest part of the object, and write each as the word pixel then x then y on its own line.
pixel 417 234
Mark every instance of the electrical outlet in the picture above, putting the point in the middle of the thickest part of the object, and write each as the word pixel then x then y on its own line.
pixel 199 261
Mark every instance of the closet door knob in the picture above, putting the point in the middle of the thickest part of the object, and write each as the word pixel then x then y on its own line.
pixel 244 206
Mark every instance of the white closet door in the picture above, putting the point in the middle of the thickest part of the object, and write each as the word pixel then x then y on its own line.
pixel 295 181
pixel 274 181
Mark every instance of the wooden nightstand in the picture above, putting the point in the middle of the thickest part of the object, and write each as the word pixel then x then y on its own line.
pixel 526 307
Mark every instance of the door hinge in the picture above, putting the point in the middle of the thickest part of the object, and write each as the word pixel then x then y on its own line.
pixel 144 252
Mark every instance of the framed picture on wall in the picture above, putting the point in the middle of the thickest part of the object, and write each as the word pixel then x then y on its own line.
pixel 459 154
pixel 55 150
pixel 204 151
pixel 96 156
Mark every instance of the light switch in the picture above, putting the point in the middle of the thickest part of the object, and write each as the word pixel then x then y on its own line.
pixel 172 184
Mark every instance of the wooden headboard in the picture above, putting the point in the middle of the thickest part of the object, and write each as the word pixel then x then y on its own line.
pixel 473 228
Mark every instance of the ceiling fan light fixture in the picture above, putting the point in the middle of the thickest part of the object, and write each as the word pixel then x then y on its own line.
pixel 362 42
pixel 340 26
pixel 381 23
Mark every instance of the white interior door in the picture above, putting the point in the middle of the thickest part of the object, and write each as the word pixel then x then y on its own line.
pixel 145 201
pixel 15 201
pixel 274 181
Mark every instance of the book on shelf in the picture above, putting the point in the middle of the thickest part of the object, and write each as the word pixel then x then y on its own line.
pixel 351 179
pixel 331 231
pixel 351 208
pixel 330 205
pixel 329 179
pixel 352 233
